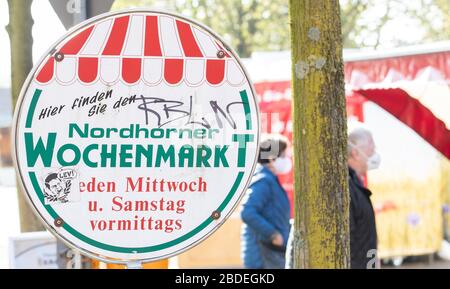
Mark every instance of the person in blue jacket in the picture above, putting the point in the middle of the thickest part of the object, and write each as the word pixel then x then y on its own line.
pixel 265 208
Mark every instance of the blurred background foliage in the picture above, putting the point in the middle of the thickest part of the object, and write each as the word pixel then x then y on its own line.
pixel 263 25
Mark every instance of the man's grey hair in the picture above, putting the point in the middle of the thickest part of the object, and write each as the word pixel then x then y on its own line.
pixel 358 135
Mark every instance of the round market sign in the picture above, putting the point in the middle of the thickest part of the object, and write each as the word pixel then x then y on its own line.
pixel 136 135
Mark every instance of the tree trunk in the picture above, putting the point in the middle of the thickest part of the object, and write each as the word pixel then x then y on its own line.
pixel 19 30
pixel 321 238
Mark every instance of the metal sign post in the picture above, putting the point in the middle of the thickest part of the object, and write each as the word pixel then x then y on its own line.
pixel 134 265
pixel 72 12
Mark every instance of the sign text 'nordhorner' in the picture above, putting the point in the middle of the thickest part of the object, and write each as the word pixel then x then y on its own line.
pixel 136 135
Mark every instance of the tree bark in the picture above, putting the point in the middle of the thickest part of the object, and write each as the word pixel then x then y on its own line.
pixel 321 238
pixel 21 39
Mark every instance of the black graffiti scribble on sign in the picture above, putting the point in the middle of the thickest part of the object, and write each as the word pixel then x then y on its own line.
pixel 167 111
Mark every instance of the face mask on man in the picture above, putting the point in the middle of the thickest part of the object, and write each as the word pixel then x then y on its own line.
pixel 282 165
pixel 373 162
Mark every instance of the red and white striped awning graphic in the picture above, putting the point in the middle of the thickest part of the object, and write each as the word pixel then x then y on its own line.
pixel 148 47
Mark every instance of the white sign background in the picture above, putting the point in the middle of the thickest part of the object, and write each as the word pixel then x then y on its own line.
pixel 225 109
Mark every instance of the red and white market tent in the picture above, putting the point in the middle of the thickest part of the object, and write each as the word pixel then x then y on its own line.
pixel 410 83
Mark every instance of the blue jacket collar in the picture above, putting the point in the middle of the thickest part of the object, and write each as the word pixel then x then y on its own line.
pixel 260 169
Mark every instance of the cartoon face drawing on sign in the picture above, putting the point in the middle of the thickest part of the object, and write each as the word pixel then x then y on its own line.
pixel 138 131
pixel 55 189
pixel 58 186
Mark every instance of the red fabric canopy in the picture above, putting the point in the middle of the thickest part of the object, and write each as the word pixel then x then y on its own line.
pixel 413 88
pixel 414 114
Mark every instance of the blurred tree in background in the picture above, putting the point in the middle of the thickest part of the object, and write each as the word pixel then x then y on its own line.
pixel 262 25
pixel 21 41
pixel 247 25
pixel 373 23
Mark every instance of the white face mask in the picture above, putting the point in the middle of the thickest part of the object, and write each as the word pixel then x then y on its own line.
pixel 282 165
pixel 373 162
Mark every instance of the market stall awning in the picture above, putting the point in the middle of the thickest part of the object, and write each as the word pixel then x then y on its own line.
pixel 144 47
pixel 413 88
